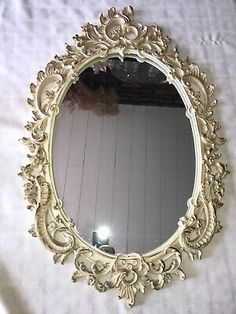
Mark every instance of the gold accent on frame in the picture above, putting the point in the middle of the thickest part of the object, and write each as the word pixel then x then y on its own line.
pixel 119 35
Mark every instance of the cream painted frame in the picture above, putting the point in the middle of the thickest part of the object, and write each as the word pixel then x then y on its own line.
pixel 119 35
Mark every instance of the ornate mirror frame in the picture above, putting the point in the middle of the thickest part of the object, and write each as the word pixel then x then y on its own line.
pixel 119 35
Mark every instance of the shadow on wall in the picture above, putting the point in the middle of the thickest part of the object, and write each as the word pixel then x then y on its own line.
pixel 11 301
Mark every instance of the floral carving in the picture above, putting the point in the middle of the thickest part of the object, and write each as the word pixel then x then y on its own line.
pixel 119 34
pixel 130 276
pixel 128 273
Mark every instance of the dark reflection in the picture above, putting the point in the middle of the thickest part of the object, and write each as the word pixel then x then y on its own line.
pixel 108 249
pixel 105 85
pixel 123 156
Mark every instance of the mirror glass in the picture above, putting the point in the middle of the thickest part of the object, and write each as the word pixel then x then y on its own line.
pixel 123 156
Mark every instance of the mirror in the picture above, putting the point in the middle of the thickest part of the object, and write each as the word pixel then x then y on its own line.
pixel 109 137
pixel 123 156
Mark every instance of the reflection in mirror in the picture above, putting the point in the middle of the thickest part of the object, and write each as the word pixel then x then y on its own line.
pixel 123 156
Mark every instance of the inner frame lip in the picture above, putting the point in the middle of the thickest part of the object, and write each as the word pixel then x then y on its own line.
pixel 190 113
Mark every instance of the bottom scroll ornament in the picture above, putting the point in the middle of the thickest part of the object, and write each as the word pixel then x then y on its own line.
pixel 130 274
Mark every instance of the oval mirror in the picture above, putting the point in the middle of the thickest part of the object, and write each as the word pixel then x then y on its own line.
pixel 119 179
pixel 123 156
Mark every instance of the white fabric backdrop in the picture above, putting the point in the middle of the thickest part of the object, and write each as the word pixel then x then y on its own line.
pixel 32 32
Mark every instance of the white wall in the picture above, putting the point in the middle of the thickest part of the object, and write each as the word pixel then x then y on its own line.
pixel 132 172
pixel 31 32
